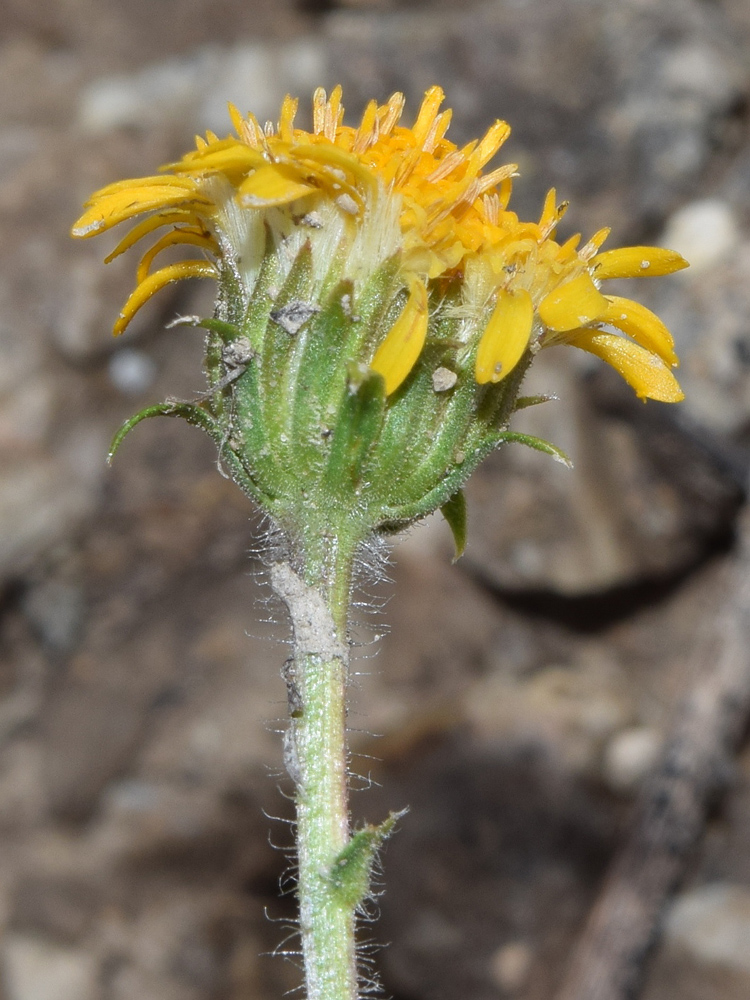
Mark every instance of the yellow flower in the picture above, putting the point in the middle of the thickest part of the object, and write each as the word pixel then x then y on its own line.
pixel 381 191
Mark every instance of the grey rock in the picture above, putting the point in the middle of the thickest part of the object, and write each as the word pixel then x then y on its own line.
pixel 37 969
pixel 194 88
pixel 629 756
pixel 705 232
pixel 643 500
pixel 132 372
pixel 712 923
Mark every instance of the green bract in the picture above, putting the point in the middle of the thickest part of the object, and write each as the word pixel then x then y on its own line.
pixel 309 434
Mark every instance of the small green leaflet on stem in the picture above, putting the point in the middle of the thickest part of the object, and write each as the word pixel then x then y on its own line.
pixel 351 871
pixel 454 512
pixel 525 401
pixel 193 414
pixel 538 444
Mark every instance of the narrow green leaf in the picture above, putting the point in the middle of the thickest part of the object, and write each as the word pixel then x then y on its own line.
pixel 524 401
pixel 454 512
pixel 350 873
pixel 538 444
pixel 193 414
pixel 227 331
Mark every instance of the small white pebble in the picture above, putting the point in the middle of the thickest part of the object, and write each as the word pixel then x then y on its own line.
pixel 703 232
pixel 131 372
pixel 510 965
pixel 443 379
pixel 629 756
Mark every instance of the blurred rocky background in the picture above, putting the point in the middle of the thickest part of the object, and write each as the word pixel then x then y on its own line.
pixel 522 696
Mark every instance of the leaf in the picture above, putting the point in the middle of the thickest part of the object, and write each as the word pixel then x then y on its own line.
pixel 193 414
pixel 454 512
pixel 524 401
pixel 538 444
pixel 226 331
pixel 350 873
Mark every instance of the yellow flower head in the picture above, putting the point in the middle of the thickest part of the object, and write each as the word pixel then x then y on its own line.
pixel 363 196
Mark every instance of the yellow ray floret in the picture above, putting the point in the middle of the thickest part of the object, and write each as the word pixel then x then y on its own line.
pixel 403 344
pixel 171 216
pixel 119 202
pixel 642 325
pixel 641 369
pixel 637 262
pixel 156 281
pixel 506 336
pixel 390 191
pixel 572 304
pixel 177 237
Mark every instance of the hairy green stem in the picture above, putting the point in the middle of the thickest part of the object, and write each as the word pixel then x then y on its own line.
pixel 316 758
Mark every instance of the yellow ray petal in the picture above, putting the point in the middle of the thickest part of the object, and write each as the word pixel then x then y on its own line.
pixel 324 158
pixel 506 336
pixel 156 281
pixel 111 209
pixel 572 304
pixel 270 186
pixel 398 353
pixel 637 262
pixel 170 216
pixel 642 325
pixel 174 238
pixel 641 369
pixel 157 180
pixel 236 158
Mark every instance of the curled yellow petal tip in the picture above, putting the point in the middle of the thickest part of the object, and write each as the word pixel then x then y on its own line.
pixel 642 370
pixel 642 325
pixel 154 282
pixel 398 353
